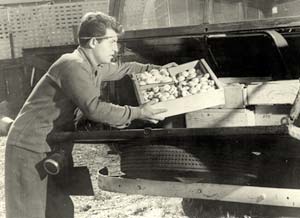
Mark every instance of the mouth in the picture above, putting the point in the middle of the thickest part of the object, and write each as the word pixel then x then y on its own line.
pixel 113 58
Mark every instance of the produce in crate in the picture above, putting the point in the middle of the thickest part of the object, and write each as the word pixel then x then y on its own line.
pixel 188 82
pixel 194 86
pixel 154 76
pixel 161 93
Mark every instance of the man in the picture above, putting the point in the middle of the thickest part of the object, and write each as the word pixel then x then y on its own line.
pixel 73 81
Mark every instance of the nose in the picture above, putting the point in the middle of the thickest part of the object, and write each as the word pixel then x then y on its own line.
pixel 115 47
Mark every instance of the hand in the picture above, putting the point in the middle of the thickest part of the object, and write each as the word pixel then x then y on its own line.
pixel 150 114
pixel 172 64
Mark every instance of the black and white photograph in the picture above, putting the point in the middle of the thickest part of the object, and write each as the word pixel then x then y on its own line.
pixel 149 108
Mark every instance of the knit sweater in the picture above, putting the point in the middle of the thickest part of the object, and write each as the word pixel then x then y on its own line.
pixel 71 82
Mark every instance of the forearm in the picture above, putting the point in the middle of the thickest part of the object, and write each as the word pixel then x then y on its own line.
pixel 111 114
pixel 78 85
pixel 116 72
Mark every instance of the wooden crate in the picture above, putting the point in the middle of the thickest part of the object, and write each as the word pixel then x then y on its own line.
pixel 209 118
pixel 273 92
pixel 235 90
pixel 271 115
pixel 234 95
pixel 262 115
pixel 192 103
pixel 189 103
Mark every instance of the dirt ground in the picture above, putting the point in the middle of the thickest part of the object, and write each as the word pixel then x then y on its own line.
pixel 105 204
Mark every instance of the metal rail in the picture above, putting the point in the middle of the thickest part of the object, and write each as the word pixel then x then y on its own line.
pixel 232 193
pixel 256 132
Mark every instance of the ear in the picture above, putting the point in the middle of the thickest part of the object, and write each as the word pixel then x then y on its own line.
pixel 92 43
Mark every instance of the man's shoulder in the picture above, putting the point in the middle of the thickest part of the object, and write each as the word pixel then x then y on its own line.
pixel 70 62
pixel 73 58
pixel 67 64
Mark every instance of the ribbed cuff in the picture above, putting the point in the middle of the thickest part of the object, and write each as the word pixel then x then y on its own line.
pixel 152 66
pixel 135 113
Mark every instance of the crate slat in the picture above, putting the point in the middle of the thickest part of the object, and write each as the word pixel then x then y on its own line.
pixel 209 118
pixel 191 103
pixel 273 92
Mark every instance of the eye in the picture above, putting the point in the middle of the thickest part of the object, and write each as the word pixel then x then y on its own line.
pixel 114 42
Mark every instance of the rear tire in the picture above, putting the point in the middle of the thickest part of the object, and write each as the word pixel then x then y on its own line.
pixel 168 162
pixel 196 208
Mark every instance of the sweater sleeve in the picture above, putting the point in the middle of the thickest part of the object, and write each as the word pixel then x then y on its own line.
pixel 118 71
pixel 77 83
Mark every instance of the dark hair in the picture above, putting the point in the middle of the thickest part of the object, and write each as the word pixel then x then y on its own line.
pixel 94 24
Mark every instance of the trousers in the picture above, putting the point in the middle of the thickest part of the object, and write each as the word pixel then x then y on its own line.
pixel 29 191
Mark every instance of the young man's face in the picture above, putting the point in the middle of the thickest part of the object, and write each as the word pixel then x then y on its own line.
pixel 106 49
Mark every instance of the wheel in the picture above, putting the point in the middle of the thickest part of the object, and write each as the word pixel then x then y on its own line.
pixel 195 208
pixel 184 161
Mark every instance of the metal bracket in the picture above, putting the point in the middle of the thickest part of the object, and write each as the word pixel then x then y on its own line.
pixel 231 193
pixel 281 44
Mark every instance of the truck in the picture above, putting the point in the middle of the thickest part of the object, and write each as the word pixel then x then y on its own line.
pixel 239 153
